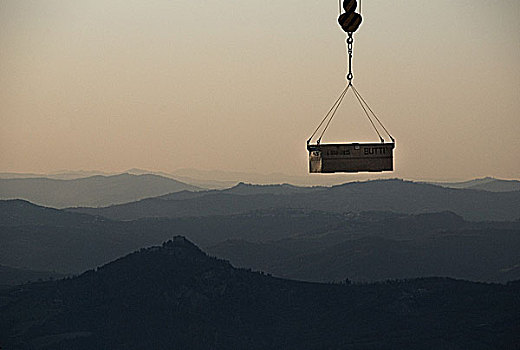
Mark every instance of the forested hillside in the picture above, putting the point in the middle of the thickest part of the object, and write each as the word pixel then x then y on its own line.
pixel 175 296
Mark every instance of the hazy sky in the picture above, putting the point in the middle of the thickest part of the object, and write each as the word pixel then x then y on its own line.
pixel 240 84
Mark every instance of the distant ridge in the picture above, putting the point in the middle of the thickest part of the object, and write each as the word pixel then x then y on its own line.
pixel 95 191
pixel 241 189
pixel 207 183
pixel 381 195
pixel 484 184
pixel 58 175
pixel 246 189
pixel 234 177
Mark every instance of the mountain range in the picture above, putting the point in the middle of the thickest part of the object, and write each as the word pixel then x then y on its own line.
pixel 303 244
pixel 218 179
pixel 364 265
pixel 381 195
pixel 93 191
pixel 485 184
pixel 175 296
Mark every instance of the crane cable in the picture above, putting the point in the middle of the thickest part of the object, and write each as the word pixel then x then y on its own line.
pixel 333 113
pixel 364 105
pixel 368 116
pixel 337 102
pixel 371 111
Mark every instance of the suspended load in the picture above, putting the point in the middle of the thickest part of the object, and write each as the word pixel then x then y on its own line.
pixel 351 157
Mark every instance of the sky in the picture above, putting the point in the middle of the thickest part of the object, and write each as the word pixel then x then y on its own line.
pixel 240 85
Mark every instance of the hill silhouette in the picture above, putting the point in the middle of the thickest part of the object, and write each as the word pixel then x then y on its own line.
pixel 175 296
pixel 382 195
pixel 93 191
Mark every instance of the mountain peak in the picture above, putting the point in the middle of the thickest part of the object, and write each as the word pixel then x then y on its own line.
pixel 248 188
pixel 176 256
pixel 181 242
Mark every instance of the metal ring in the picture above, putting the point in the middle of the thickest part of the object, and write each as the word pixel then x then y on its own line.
pixel 350 40
pixel 350 76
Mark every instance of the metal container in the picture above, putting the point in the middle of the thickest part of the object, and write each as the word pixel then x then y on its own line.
pixel 351 157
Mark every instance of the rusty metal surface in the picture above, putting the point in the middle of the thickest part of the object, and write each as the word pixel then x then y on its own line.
pixel 351 157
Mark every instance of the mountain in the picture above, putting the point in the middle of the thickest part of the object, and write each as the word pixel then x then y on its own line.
pixel 281 189
pixel 206 183
pixel 485 184
pixel 11 276
pixel 300 244
pixel 91 191
pixel 498 186
pixel 58 175
pixel 175 296
pixel 241 189
pixel 233 177
pixel 381 195
pixel 78 174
